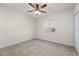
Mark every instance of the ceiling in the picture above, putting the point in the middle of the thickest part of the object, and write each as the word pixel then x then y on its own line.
pixel 51 8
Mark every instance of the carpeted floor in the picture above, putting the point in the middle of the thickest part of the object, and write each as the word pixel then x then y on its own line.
pixel 37 47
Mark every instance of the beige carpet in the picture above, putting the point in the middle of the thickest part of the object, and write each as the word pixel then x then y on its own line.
pixel 38 47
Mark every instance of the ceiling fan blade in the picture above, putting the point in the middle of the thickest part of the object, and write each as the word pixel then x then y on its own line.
pixel 31 5
pixel 31 11
pixel 37 6
pixel 42 11
pixel 43 6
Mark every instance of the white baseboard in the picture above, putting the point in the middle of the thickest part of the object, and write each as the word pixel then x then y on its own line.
pixel 55 41
pixel 16 42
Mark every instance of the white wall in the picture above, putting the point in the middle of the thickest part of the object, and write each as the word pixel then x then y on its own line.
pixel 76 15
pixel 64 28
pixel 14 27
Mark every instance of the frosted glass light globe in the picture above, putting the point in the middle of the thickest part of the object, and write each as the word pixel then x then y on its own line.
pixel 37 12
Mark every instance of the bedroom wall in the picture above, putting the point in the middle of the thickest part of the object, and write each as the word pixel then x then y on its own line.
pixel 64 28
pixel 15 27
pixel 76 15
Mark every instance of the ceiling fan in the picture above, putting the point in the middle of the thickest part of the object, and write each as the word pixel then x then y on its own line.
pixel 38 8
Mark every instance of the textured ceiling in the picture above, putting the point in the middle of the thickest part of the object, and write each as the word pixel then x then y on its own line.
pixel 51 8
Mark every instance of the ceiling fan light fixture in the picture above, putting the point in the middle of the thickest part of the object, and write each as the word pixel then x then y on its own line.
pixel 38 9
pixel 37 12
